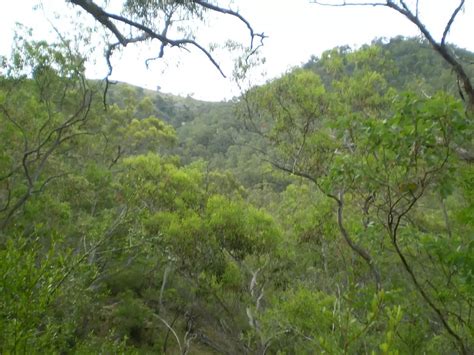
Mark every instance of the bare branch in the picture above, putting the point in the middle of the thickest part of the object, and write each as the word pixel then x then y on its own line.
pixel 451 21
pixel 233 13
pixel 404 5
pixel 171 329
pixel 47 181
pixel 425 295
pixel 8 198
pixel 345 3
pixel 354 246
pixel 31 175
pixel 101 16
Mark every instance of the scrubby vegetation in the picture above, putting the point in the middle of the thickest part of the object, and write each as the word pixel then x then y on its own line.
pixel 328 211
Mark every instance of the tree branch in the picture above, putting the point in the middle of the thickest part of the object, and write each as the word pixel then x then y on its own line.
pixel 425 296
pixel 439 47
pixel 100 15
pixel 451 21
pixel 355 247
pixel 393 224
pixel 236 14
pixel 105 18
pixel 346 3
pixel 340 206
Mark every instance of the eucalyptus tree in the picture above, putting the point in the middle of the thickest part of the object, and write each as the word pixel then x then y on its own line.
pixel 381 156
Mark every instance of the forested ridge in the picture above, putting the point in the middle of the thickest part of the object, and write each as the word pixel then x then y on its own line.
pixel 330 210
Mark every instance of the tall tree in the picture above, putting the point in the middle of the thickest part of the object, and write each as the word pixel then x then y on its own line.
pixel 378 155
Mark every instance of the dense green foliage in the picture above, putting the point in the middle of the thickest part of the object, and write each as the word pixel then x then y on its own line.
pixel 328 211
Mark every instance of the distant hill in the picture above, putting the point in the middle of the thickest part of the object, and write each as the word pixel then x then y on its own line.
pixel 410 64
pixel 211 131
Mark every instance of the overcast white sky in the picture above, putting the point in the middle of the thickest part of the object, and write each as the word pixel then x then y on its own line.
pixel 297 29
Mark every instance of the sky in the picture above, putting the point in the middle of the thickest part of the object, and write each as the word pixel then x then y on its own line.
pixel 296 30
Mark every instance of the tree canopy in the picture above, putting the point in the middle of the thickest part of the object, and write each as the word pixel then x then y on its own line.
pixel 330 210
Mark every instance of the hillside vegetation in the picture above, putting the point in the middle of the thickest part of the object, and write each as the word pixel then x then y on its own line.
pixel 330 210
